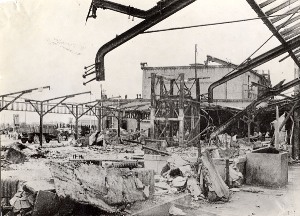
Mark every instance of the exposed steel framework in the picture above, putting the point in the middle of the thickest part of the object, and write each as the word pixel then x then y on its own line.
pixel 175 116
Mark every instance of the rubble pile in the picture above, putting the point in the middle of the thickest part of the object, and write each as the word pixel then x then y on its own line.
pixel 200 179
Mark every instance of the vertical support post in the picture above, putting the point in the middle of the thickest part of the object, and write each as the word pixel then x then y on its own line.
pixel 197 89
pixel 172 81
pixel 198 98
pixel 181 111
pixel 41 125
pixel 161 87
pixel 138 121
pixel 296 135
pixel 119 122
pixel 249 130
pixel 76 122
pixel 227 173
pixel 276 125
pixel 153 105
pixel 99 119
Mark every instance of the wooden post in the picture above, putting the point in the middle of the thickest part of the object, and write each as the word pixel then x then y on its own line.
pixel 41 125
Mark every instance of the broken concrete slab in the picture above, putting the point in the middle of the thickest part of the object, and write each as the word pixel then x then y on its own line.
pixel 39 185
pixel 179 182
pixel 15 156
pixel 46 204
pixel 267 169
pixel 193 187
pixel 103 188
pixel 212 178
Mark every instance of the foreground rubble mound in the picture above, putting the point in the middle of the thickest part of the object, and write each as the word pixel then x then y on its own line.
pixel 100 187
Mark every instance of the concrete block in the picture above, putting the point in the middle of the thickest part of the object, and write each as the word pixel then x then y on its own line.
pixel 155 162
pixel 267 169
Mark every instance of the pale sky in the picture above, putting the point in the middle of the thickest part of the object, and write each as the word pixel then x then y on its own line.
pixel 48 43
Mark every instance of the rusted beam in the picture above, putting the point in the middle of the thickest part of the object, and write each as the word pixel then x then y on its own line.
pixel 267 56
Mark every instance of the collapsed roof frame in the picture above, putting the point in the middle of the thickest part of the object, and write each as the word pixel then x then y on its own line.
pixel 42 112
pixel 278 31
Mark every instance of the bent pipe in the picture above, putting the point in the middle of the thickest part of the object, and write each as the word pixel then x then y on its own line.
pixel 135 12
pixel 266 95
pixel 267 56
pixel 134 31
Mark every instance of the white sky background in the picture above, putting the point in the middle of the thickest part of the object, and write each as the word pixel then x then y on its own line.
pixel 48 43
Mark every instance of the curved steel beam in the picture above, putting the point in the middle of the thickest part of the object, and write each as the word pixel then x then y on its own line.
pixel 131 11
pixel 134 31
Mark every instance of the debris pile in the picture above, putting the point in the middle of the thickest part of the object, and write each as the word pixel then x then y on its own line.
pixel 200 179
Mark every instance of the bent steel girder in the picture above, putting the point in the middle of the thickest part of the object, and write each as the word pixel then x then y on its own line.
pixel 132 11
pixel 270 93
pixel 134 31
pixel 267 56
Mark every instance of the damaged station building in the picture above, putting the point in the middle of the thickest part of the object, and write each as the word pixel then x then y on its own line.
pixel 216 138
